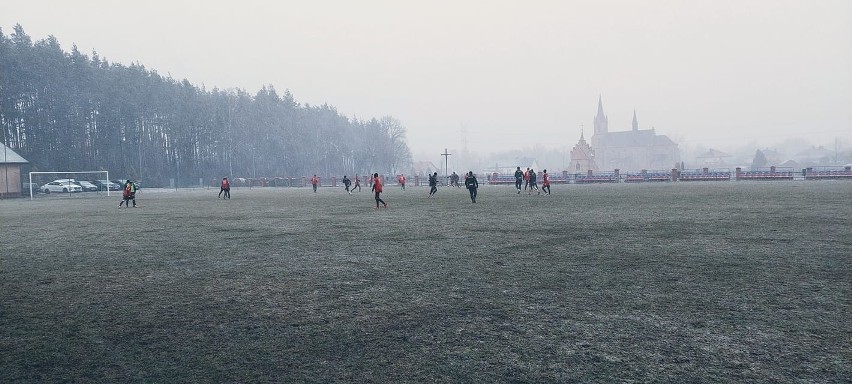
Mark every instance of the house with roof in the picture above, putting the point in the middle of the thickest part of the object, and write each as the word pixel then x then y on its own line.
pixel 632 150
pixel 423 169
pixel 773 157
pixel 10 172
pixel 507 166
pixel 816 156
pixel 712 159
pixel 582 157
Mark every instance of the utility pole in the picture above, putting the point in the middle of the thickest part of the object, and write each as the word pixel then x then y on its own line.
pixel 836 150
pixel 230 142
pixel 139 149
pixel 6 165
pixel 446 164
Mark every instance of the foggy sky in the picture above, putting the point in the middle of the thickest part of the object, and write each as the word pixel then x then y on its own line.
pixel 510 74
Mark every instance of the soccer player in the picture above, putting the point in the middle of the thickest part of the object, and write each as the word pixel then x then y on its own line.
pixel 314 182
pixel 402 181
pixel 545 183
pixel 433 184
pixel 125 196
pixel 519 177
pixel 225 187
pixel 346 184
pixel 527 178
pixel 454 180
pixel 533 185
pixel 128 194
pixel 377 188
pixel 357 184
pixel 472 185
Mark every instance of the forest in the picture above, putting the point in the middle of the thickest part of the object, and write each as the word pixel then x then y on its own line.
pixel 68 111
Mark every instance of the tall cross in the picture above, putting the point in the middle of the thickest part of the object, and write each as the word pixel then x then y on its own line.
pixel 446 163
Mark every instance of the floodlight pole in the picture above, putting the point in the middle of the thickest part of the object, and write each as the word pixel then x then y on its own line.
pixel 446 164
pixel 6 164
pixel 139 149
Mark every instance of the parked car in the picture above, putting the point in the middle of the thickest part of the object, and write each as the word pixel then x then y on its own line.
pixel 87 186
pixel 25 187
pixel 63 186
pixel 107 185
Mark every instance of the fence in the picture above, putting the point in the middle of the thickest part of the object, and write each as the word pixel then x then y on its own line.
pixel 769 174
pixel 828 173
pixel 590 177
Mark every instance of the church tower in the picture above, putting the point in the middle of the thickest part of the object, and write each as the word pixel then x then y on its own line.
pixel 601 121
pixel 635 122
pixel 599 138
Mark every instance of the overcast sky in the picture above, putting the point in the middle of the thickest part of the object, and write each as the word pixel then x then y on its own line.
pixel 512 74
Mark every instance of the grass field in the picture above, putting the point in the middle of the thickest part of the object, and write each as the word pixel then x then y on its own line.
pixel 703 282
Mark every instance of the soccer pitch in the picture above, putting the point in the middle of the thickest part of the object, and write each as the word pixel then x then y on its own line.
pixel 674 282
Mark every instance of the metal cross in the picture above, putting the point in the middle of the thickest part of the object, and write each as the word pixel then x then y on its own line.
pixel 446 163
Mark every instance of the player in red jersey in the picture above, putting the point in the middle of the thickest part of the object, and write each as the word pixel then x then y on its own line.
pixel 545 183
pixel 377 188
pixel 314 183
pixel 226 188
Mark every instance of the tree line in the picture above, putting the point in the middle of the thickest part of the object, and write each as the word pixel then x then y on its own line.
pixel 66 111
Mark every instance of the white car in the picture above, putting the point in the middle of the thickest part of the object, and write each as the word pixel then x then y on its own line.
pixel 63 186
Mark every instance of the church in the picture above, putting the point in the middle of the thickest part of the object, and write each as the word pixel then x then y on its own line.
pixel 633 150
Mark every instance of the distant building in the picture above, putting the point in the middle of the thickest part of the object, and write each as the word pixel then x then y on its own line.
pixel 712 159
pixel 816 156
pixel 582 157
pixel 791 164
pixel 773 157
pixel 632 150
pixel 10 172
pixel 424 169
pixel 508 166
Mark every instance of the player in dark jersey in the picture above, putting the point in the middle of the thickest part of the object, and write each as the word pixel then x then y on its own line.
pixel 433 184
pixel 533 185
pixel 472 185
pixel 519 179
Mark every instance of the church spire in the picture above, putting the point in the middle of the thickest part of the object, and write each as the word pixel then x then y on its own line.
pixel 635 122
pixel 601 121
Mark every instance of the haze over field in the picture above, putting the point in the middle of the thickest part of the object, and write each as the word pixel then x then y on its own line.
pixel 500 75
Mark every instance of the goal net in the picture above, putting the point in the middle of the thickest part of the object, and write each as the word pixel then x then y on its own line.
pixel 70 183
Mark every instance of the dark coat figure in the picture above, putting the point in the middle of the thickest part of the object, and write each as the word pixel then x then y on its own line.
pixel 433 184
pixel 519 179
pixel 346 184
pixel 472 185
pixel 533 184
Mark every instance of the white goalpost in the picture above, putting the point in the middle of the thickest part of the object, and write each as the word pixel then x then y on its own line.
pixel 65 176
